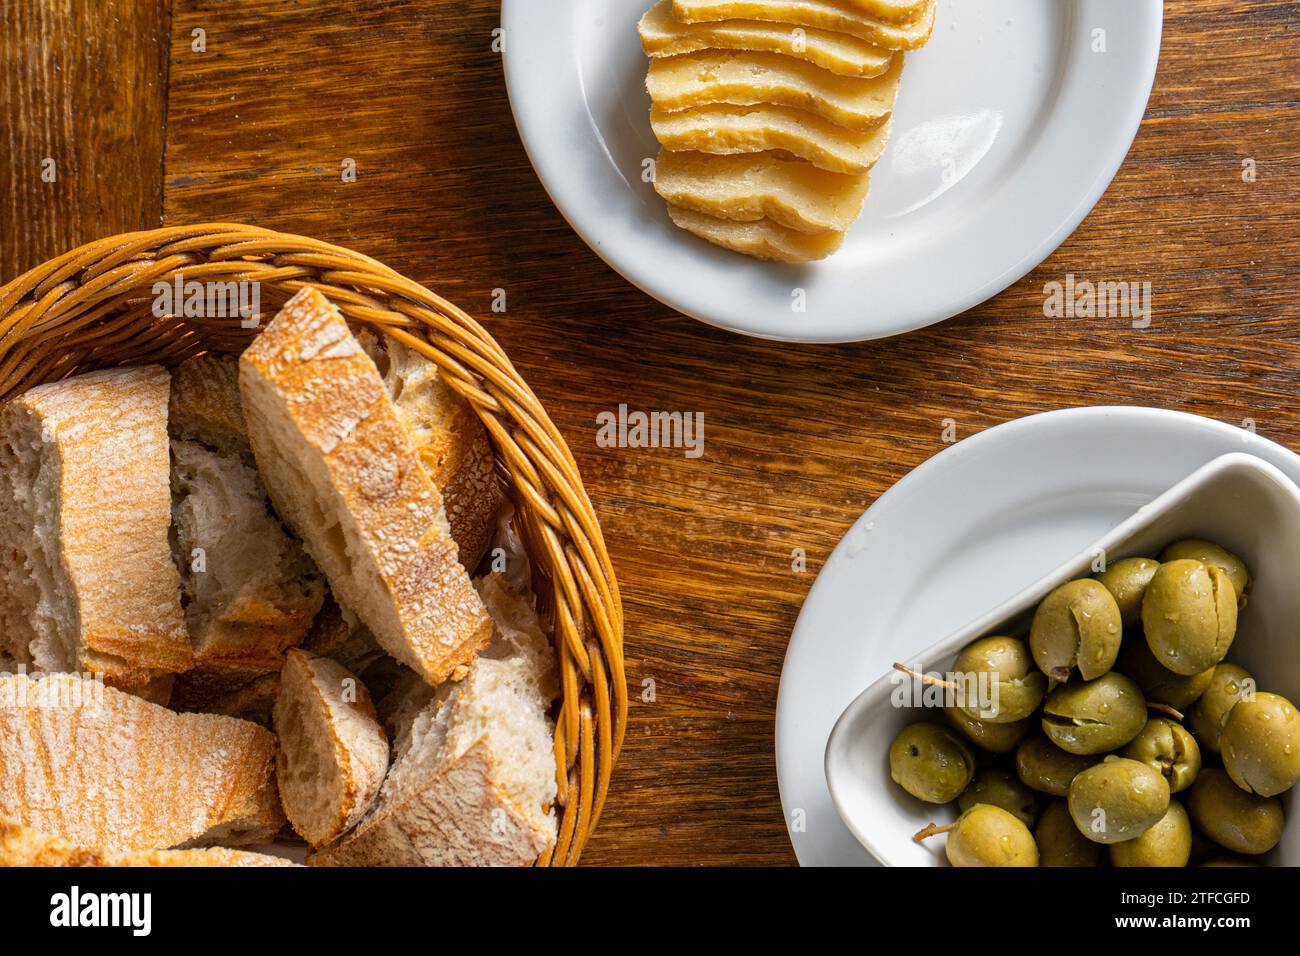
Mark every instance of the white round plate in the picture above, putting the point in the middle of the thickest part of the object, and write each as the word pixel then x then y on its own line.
pixel 963 532
pixel 1008 128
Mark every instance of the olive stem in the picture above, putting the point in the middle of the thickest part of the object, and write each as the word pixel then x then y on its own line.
pixel 931 829
pixel 926 678
pixel 1165 709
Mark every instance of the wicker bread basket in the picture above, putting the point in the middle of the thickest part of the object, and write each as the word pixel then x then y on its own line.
pixel 92 308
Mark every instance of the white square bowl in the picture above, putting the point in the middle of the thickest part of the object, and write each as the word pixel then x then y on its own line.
pixel 1238 501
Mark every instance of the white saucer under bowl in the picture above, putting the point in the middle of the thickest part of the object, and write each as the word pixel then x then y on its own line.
pixel 958 536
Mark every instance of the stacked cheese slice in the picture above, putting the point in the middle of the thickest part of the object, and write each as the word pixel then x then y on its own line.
pixel 771 114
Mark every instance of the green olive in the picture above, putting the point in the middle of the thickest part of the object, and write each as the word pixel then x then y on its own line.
pixel 1209 553
pixel 1169 749
pixel 1261 744
pixel 1045 767
pixel 1228 685
pixel 1002 684
pixel 1236 820
pixel 1167 843
pixel 1158 683
pixel 931 762
pixel 1117 800
pixel 994 738
pixel 1189 615
pixel 986 835
pixel 1059 841
pixel 1000 788
pixel 1127 581
pixel 1076 626
pixel 1095 717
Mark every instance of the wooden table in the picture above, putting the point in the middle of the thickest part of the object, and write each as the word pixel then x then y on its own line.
pixel 144 128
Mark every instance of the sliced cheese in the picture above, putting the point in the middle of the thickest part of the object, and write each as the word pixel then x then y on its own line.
pixel 662 34
pixel 762 240
pixel 751 79
pixel 726 130
pixel 864 19
pixel 748 188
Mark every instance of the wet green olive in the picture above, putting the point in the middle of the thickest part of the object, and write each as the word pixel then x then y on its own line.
pixel 986 835
pixel 1127 581
pixel 1059 841
pixel 1203 848
pixel 1096 716
pixel 1158 683
pixel 1000 788
pixel 1045 767
pixel 1209 553
pixel 1077 626
pixel 1117 800
pixel 1167 843
pixel 1002 684
pixel 1228 685
pixel 1238 821
pixel 931 762
pixel 1189 615
pixel 994 738
pixel 1169 749
pixel 1260 744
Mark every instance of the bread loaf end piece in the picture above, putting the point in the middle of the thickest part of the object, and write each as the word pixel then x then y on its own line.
pixel 345 476
pixel 86 578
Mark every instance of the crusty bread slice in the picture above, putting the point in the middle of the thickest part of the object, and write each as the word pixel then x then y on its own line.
pixel 333 752
pixel 662 34
pixel 345 476
pixel 251 591
pixel 751 79
pixel 205 405
pixel 728 130
pixel 106 769
pixel 23 846
pixel 452 442
pixel 86 576
pixel 902 25
pixel 792 193
pixel 763 239
pixel 473 782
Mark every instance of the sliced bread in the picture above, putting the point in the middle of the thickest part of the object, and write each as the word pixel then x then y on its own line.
pixel 333 752
pixel 341 637
pixel 105 769
pixel 251 591
pixel 86 578
pixel 23 846
pixel 452 442
pixel 345 475
pixel 473 782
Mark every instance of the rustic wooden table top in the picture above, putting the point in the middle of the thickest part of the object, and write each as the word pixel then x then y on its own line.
pixel 145 128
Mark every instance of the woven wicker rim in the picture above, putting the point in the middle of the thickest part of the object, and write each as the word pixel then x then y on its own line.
pixel 91 308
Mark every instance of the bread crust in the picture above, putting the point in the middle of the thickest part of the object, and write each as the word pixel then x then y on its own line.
pixel 318 410
pixel 103 768
pixel 23 846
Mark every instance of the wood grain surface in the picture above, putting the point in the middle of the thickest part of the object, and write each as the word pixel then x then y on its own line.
pixel 799 440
